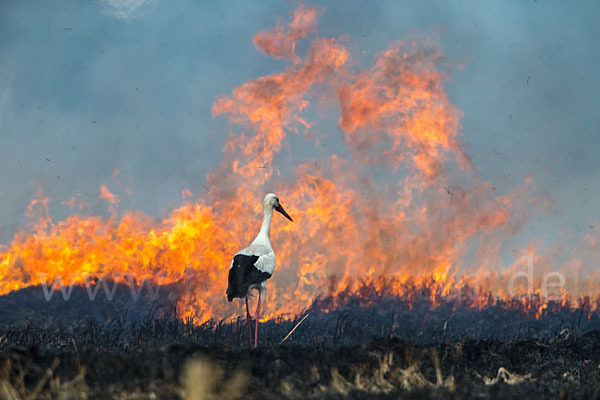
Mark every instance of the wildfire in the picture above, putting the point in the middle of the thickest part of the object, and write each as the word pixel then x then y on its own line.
pixel 400 207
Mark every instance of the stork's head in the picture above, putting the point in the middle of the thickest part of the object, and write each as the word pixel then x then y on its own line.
pixel 271 200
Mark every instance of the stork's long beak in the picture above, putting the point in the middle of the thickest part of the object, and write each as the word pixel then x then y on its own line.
pixel 281 210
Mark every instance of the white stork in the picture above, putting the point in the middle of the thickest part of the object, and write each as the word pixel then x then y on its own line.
pixel 252 266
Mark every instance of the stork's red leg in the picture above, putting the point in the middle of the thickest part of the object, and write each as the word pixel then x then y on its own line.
pixel 257 313
pixel 249 325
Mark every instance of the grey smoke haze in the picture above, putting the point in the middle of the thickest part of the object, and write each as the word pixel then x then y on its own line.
pixel 87 88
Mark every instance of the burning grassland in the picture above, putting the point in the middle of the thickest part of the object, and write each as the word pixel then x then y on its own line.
pixel 152 319
pixel 371 345
pixel 396 203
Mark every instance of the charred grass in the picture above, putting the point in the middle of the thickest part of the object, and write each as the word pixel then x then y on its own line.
pixel 386 369
pixel 78 349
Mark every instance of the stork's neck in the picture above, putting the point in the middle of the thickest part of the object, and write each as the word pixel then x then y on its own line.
pixel 264 236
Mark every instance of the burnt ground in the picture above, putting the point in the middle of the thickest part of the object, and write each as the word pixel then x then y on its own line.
pixel 385 349
pixel 385 368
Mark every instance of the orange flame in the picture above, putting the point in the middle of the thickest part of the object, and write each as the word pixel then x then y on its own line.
pixel 402 211
pixel 281 42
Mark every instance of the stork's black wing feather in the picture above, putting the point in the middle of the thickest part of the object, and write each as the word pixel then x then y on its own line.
pixel 242 274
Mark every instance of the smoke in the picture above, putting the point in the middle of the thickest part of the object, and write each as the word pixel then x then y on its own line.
pixel 149 83
pixel 127 9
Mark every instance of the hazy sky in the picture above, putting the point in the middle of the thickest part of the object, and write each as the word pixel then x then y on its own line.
pixel 89 87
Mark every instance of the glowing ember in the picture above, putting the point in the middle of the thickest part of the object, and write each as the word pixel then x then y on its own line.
pixel 402 211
